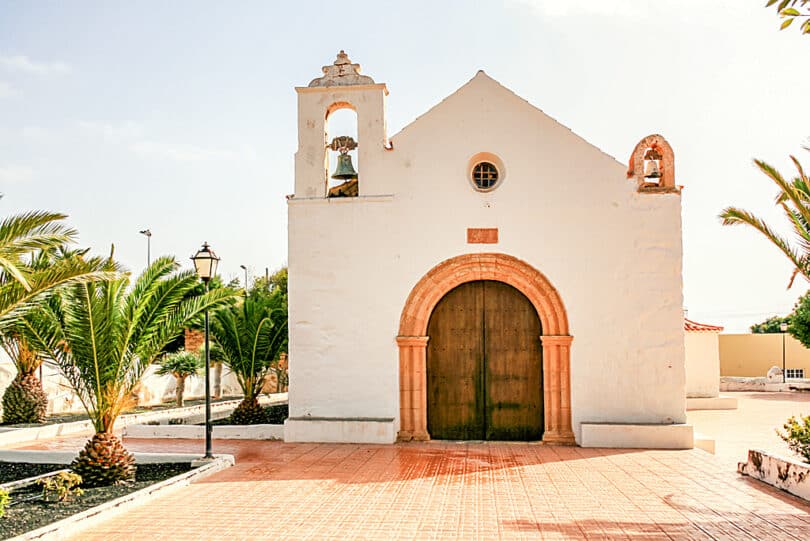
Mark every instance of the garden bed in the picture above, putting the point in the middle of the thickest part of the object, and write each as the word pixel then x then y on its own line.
pixel 272 429
pixel 30 515
pixel 168 414
pixel 275 414
pixel 14 471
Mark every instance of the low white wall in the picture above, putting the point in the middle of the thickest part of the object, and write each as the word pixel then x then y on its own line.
pixel 637 436
pixel 153 390
pixel 702 364
pixel 194 432
pixel 340 430
pixel 784 473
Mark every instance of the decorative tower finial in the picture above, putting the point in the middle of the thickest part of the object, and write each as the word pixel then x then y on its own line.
pixel 342 73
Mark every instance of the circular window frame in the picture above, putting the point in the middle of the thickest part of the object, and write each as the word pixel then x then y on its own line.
pixel 490 158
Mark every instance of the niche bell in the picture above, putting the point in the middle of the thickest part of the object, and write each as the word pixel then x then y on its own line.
pixel 345 169
pixel 652 164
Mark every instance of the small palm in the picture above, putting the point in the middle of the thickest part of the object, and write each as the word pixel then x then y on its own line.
pixel 182 365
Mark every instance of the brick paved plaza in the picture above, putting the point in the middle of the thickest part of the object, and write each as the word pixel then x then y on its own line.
pixel 473 491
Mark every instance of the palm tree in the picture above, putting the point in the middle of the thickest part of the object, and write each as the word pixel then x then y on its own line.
pixel 34 261
pixel 248 338
pixel 23 283
pixel 180 364
pixel 103 335
pixel 794 200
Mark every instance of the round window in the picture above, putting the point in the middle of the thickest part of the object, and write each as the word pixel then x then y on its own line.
pixel 485 175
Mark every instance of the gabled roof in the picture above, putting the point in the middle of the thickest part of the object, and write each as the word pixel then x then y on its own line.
pixel 694 326
pixel 482 82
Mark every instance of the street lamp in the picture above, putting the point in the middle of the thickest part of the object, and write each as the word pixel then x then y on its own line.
pixel 783 327
pixel 205 263
pixel 244 268
pixel 148 233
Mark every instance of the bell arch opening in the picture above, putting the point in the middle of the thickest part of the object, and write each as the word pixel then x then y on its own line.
pixel 556 342
pixel 341 156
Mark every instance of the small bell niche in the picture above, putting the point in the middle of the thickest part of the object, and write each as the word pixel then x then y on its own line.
pixel 342 162
pixel 652 166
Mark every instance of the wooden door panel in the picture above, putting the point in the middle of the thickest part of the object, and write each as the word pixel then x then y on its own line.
pixel 513 365
pixel 484 365
pixel 454 365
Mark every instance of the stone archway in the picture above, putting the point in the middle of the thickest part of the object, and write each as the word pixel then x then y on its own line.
pixel 412 339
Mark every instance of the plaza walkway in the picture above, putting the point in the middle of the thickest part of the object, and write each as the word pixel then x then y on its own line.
pixel 752 425
pixel 468 491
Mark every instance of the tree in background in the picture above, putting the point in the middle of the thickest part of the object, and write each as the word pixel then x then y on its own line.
pixel 794 200
pixel 770 325
pixel 181 364
pixel 103 335
pixel 276 281
pixel 799 324
pixel 787 10
pixel 249 338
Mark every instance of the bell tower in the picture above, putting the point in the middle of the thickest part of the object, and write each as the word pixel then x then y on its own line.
pixel 341 87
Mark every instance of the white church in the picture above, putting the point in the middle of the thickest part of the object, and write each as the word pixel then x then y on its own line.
pixel 484 274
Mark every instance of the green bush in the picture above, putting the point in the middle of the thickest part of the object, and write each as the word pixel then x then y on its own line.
pixel 64 486
pixel 4 501
pixel 797 436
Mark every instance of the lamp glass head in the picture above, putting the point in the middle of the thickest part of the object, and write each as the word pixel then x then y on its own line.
pixel 205 262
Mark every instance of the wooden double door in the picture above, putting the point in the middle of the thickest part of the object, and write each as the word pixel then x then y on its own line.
pixel 485 365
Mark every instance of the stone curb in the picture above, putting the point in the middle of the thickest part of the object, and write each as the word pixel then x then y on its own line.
pixel 36 456
pixel 74 524
pixel 221 432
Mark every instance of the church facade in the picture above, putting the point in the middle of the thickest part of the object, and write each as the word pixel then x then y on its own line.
pixel 484 274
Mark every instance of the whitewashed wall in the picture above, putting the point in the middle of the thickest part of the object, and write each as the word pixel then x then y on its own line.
pixel 702 364
pixel 564 207
pixel 153 390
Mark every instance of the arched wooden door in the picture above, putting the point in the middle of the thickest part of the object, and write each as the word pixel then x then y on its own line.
pixel 484 365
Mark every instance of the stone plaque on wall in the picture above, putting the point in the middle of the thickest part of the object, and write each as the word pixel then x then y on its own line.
pixel 482 235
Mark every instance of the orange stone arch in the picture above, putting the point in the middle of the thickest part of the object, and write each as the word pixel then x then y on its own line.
pixel 413 339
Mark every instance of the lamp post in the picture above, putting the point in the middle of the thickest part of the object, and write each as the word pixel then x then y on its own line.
pixel 148 234
pixel 244 268
pixel 205 263
pixel 783 327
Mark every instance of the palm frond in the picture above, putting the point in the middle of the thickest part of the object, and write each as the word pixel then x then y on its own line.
pixel 794 200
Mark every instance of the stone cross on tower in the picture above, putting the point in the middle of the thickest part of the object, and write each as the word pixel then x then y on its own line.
pixel 342 73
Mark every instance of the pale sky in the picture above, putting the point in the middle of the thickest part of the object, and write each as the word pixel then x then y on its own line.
pixel 180 116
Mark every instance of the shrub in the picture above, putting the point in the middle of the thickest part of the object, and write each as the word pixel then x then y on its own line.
pixel 4 501
pixel 63 486
pixel 797 436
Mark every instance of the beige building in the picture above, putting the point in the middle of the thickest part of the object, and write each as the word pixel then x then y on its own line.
pixel 702 359
pixel 486 274
pixel 752 355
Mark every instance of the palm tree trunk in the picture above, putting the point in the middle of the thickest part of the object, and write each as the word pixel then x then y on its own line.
pixel 217 392
pixel 179 390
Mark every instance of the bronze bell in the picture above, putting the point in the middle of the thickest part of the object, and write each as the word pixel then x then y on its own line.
pixel 652 160
pixel 651 169
pixel 345 169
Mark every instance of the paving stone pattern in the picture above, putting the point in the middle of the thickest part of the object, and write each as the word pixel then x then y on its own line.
pixel 460 491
